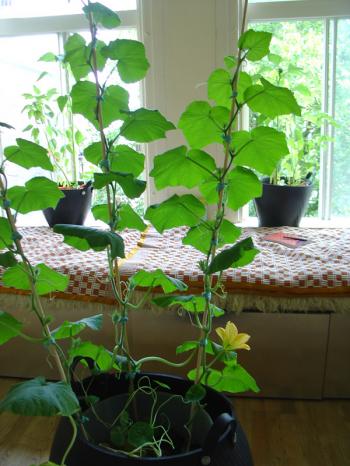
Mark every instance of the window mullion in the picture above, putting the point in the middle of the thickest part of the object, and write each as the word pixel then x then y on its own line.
pixel 331 111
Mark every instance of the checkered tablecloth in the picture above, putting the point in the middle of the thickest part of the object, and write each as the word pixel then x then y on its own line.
pixel 320 267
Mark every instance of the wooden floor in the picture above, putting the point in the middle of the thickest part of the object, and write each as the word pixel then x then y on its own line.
pixel 280 432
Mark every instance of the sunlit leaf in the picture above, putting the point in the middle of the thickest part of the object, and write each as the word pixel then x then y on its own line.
pixel 37 194
pixel 176 211
pixel 256 43
pixel 177 167
pixel 144 125
pixel 27 154
pixel 132 62
pixel 260 149
pixel 271 100
pixel 203 124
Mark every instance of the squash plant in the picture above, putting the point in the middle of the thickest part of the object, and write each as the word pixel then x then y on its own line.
pixel 231 183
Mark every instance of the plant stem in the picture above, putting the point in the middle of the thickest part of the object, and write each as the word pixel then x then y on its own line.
pixel 37 307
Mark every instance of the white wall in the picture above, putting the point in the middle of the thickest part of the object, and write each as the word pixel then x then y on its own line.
pixel 185 41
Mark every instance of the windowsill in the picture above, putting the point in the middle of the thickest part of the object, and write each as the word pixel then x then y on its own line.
pixel 306 222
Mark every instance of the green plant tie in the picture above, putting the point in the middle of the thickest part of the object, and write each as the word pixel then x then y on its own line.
pixel 203 342
pixel 207 295
pixel 220 187
pixel 227 138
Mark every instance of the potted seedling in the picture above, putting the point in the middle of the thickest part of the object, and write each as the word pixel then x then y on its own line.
pixel 121 415
pixel 286 193
pixel 51 123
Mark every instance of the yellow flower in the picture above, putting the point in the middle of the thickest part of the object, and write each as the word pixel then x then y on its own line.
pixel 231 339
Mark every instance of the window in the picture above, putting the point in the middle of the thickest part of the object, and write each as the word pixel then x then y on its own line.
pixel 28 31
pixel 317 50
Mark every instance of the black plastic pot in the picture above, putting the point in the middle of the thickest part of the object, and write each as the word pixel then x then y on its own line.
pixel 71 209
pixel 282 205
pixel 221 440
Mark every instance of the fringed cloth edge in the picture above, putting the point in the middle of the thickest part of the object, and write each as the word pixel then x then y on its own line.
pixel 234 303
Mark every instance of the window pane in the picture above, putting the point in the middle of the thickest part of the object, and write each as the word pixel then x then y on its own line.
pixel 35 8
pixel 341 153
pixel 300 44
pixel 19 70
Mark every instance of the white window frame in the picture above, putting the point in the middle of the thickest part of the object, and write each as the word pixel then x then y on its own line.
pixel 329 12
pixel 61 25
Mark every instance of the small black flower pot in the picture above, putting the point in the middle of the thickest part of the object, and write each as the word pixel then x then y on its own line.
pixel 72 209
pixel 219 439
pixel 282 205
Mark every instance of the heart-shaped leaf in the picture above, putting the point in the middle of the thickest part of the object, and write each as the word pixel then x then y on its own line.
pixel 38 397
pixel 176 211
pixel 132 62
pixel 27 154
pixel 144 125
pixel 37 194
pixel 177 167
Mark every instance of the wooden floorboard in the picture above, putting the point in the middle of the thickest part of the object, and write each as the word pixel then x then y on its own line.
pixel 280 432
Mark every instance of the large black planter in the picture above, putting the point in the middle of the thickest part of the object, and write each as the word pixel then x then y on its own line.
pixel 282 205
pixel 221 441
pixel 72 209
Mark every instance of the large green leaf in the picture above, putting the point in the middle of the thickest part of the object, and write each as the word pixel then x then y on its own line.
pixel 271 100
pixel 220 87
pixel 157 278
pixel 93 153
pixel 115 101
pixel 127 160
pixel 70 329
pixel 176 211
pixel 27 154
pixel 260 149
pixel 203 124
pixel 102 15
pixel 5 233
pixel 256 43
pixel 200 236
pixel 47 279
pixel 9 327
pixel 128 218
pixel 131 186
pixel 177 167
pixel 233 379
pixel 132 62
pixel 144 125
pixel 243 186
pixel 37 194
pixel 98 353
pixel 37 397
pixel 77 54
pixel 239 255
pixel 91 238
